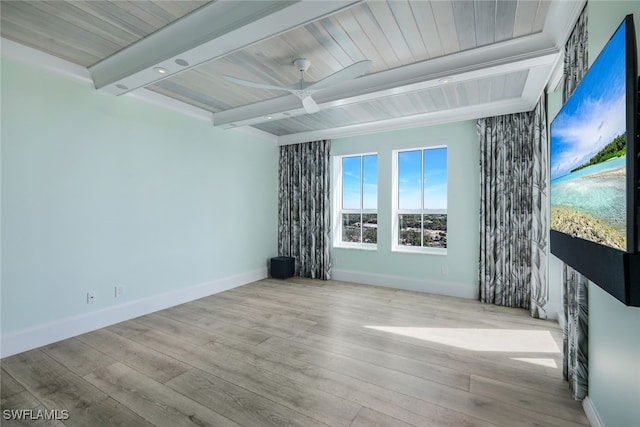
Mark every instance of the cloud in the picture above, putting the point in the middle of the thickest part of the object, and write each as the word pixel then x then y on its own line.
pixel 577 136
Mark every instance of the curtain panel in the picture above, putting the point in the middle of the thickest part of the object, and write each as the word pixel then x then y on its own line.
pixel 575 301
pixel 304 216
pixel 575 366
pixel 513 210
pixel 576 56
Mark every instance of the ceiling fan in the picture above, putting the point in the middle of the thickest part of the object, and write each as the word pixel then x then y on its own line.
pixel 303 89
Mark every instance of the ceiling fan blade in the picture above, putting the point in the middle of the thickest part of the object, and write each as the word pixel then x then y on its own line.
pixel 310 105
pixel 348 73
pixel 254 84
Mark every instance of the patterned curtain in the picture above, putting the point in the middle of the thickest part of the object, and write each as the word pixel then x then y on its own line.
pixel 304 216
pixel 514 222
pixel 575 302
pixel 540 213
pixel 576 56
pixel 574 363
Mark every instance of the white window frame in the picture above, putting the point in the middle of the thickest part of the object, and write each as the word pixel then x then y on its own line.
pixel 337 203
pixel 395 211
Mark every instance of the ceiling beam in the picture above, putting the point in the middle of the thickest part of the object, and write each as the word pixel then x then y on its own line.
pixel 523 53
pixel 210 32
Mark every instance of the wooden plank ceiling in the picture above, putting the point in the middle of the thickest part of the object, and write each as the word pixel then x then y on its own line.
pixel 394 35
pixel 86 32
pixel 391 34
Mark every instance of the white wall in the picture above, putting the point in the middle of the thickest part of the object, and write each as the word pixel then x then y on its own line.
pixel 99 191
pixel 614 337
pixel 421 272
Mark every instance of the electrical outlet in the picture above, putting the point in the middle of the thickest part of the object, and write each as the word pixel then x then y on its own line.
pixel 118 291
pixel 444 270
pixel 90 297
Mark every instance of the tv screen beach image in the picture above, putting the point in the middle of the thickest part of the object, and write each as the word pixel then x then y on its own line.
pixel 588 154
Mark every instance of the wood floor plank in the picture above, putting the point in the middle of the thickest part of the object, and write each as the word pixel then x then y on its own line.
pixel 417 302
pixel 240 405
pixel 352 324
pixel 515 373
pixel 564 408
pixel 155 365
pixel 399 405
pixel 8 385
pixel 370 418
pixel 202 320
pixel 391 341
pixel 418 362
pixel 338 319
pixel 77 356
pixel 25 401
pixel 155 402
pixel 305 352
pixel 458 400
pixel 278 326
pixel 241 370
pixel 416 305
pixel 185 331
pixel 258 312
pixel 57 388
pixel 38 372
pixel 127 329
pixel 317 355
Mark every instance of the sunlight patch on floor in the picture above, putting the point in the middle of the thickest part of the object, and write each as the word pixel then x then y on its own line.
pixel 514 340
pixel 548 363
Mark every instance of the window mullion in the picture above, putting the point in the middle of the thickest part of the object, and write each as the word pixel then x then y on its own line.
pixel 422 198
pixel 361 198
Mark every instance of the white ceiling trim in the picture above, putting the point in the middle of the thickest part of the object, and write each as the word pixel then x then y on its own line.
pixel 211 32
pixel 500 58
pixel 509 106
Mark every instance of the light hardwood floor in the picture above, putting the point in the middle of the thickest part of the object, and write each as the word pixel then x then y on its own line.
pixel 302 352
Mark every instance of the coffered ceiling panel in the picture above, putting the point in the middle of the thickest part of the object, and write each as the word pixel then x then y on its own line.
pixel 431 60
pixel 391 34
pixel 447 97
pixel 85 32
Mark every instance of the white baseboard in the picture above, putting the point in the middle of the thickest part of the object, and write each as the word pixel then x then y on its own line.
pixel 47 333
pixel 591 412
pixel 454 289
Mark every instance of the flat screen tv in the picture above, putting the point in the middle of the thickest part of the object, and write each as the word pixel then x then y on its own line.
pixel 594 167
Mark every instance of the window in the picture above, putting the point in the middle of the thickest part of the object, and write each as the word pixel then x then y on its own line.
pixel 420 200
pixel 357 197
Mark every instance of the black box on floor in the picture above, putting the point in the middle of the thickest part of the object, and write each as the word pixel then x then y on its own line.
pixel 282 267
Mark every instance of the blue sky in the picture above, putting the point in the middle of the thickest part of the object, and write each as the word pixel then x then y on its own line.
pixel 595 113
pixel 352 169
pixel 435 179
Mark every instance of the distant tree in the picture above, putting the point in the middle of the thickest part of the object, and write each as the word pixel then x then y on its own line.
pixel 616 148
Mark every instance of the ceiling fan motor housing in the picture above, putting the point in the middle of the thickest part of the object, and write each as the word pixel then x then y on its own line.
pixel 302 64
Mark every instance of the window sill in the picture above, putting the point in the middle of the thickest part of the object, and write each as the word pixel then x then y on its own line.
pixel 421 250
pixel 357 246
